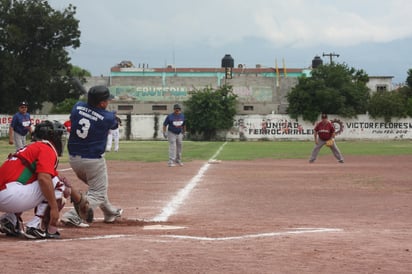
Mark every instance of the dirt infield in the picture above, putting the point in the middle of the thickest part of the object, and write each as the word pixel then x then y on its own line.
pixel 264 216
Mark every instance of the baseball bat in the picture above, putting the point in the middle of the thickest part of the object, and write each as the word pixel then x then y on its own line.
pixel 78 85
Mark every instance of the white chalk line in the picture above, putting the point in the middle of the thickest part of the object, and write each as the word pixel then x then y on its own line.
pixel 64 169
pixel 185 237
pixel 178 200
pixel 261 235
pixel 180 197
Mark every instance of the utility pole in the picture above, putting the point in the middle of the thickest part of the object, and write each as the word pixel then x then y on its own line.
pixel 330 55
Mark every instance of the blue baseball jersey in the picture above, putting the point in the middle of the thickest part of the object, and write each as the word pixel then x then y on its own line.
pixel 21 123
pixel 89 129
pixel 175 123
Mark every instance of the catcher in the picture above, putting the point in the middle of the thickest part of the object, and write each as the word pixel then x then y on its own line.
pixel 29 179
pixel 325 135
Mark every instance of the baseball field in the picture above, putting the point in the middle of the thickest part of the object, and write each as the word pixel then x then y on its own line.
pixel 238 207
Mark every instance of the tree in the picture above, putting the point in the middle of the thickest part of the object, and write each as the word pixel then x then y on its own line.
pixel 66 105
pixel 332 88
pixel 34 62
pixel 387 105
pixel 208 111
pixel 409 78
pixel 396 103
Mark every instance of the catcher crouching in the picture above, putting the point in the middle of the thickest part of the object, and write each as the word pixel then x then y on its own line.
pixel 29 180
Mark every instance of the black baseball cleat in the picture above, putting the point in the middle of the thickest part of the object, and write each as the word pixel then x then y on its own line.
pixel 53 235
pixel 34 233
pixel 7 227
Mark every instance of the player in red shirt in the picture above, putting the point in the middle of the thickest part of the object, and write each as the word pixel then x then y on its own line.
pixel 29 179
pixel 324 131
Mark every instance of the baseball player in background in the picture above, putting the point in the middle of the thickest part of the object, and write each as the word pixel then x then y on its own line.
pixel 28 179
pixel 325 134
pixel 114 134
pixel 90 124
pixel 176 128
pixel 20 126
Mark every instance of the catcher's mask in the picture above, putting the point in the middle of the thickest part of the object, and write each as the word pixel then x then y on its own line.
pixel 52 132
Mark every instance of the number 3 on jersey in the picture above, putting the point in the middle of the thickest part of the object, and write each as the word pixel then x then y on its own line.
pixel 84 131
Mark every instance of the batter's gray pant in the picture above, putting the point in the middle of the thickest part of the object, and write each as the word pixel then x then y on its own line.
pixel 175 147
pixel 319 145
pixel 93 172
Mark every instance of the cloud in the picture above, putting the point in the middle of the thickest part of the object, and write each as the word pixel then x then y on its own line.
pixel 298 23
pixel 200 32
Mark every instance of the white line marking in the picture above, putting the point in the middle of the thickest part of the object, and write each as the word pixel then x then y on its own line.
pixel 162 227
pixel 81 239
pixel 180 197
pixel 64 169
pixel 251 236
pixel 262 235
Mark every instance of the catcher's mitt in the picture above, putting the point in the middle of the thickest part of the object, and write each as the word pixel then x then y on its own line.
pixel 83 210
pixel 330 142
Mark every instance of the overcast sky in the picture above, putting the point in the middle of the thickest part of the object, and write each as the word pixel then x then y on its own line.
pixel 372 35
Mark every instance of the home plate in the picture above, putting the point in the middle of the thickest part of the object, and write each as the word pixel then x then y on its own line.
pixel 162 227
pixel 214 161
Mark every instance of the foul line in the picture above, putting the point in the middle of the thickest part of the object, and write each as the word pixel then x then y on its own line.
pixel 262 235
pixel 179 198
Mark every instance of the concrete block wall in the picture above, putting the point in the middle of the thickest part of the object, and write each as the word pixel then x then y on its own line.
pixel 252 91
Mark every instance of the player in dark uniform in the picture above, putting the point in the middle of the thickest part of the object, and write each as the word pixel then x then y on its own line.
pixel 20 126
pixel 176 128
pixel 90 124
pixel 324 131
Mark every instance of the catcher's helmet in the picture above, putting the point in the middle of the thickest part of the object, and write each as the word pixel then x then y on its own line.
pixel 50 131
pixel 98 94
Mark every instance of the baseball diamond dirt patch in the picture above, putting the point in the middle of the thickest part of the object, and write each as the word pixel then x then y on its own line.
pixel 263 216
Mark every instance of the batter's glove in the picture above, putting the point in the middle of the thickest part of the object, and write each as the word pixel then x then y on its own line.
pixel 330 142
pixel 82 208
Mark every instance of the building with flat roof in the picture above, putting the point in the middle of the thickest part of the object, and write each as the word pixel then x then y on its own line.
pixel 260 90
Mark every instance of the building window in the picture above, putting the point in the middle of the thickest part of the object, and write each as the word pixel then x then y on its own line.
pixel 248 108
pixel 159 107
pixel 381 88
pixel 125 107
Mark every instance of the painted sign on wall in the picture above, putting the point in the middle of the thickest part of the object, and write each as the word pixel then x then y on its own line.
pixel 283 127
pixel 258 127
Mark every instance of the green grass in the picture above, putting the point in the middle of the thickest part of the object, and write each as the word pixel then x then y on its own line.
pixel 155 151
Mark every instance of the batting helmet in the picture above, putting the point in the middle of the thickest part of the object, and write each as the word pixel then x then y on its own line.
pixel 98 94
pixel 50 131
pixel 23 103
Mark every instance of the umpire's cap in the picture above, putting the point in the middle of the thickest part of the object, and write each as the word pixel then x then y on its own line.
pixel 98 94
pixel 177 106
